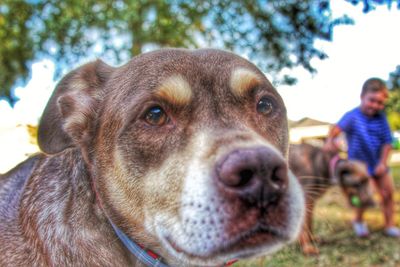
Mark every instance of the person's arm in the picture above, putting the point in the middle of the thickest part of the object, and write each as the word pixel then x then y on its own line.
pixel 330 144
pixel 382 166
pixel 386 148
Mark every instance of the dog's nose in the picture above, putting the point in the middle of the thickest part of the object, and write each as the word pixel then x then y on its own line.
pixel 256 175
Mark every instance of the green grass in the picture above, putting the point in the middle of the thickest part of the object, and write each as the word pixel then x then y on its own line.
pixel 337 244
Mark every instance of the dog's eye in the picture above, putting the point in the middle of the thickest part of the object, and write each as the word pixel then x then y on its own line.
pixel 156 116
pixel 265 106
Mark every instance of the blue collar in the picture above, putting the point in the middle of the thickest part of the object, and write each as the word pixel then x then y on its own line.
pixel 147 257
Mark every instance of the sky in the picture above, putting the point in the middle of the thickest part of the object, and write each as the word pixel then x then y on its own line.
pixel 370 48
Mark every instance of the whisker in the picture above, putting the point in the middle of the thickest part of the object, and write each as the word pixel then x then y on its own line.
pixel 302 177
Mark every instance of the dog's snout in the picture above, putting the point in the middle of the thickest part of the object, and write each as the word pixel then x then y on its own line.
pixel 258 175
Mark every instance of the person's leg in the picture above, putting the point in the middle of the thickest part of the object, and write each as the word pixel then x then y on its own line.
pixel 359 226
pixel 385 188
pixel 359 214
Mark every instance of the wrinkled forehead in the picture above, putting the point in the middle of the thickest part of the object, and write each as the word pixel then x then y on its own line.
pixel 187 70
pixel 168 61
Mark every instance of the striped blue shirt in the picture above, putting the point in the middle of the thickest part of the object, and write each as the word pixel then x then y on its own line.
pixel 365 136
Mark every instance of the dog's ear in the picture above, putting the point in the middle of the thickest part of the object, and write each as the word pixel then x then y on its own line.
pixel 346 178
pixel 72 109
pixel 342 171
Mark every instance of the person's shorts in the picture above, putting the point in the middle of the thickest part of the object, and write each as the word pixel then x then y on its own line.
pixel 377 177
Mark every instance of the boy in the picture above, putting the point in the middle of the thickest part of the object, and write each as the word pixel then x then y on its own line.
pixel 369 140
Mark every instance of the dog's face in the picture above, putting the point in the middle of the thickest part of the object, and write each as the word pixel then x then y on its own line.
pixel 355 183
pixel 187 150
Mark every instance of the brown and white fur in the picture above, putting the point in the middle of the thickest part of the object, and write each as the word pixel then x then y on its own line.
pixel 318 170
pixel 185 151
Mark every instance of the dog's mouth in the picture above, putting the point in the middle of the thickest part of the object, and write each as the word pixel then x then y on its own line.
pixel 244 245
pixel 253 240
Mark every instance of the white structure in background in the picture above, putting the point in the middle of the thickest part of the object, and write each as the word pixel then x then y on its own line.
pixel 15 146
pixel 15 141
pixel 308 130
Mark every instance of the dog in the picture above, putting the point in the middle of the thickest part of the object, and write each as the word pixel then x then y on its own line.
pixel 318 170
pixel 177 158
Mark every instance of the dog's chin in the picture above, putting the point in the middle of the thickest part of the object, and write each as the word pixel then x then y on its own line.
pixel 257 241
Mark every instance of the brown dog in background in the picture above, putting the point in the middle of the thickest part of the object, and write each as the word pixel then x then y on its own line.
pixel 318 170
pixel 183 152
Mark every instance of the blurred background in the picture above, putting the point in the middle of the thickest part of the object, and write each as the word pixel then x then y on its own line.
pixel 317 53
